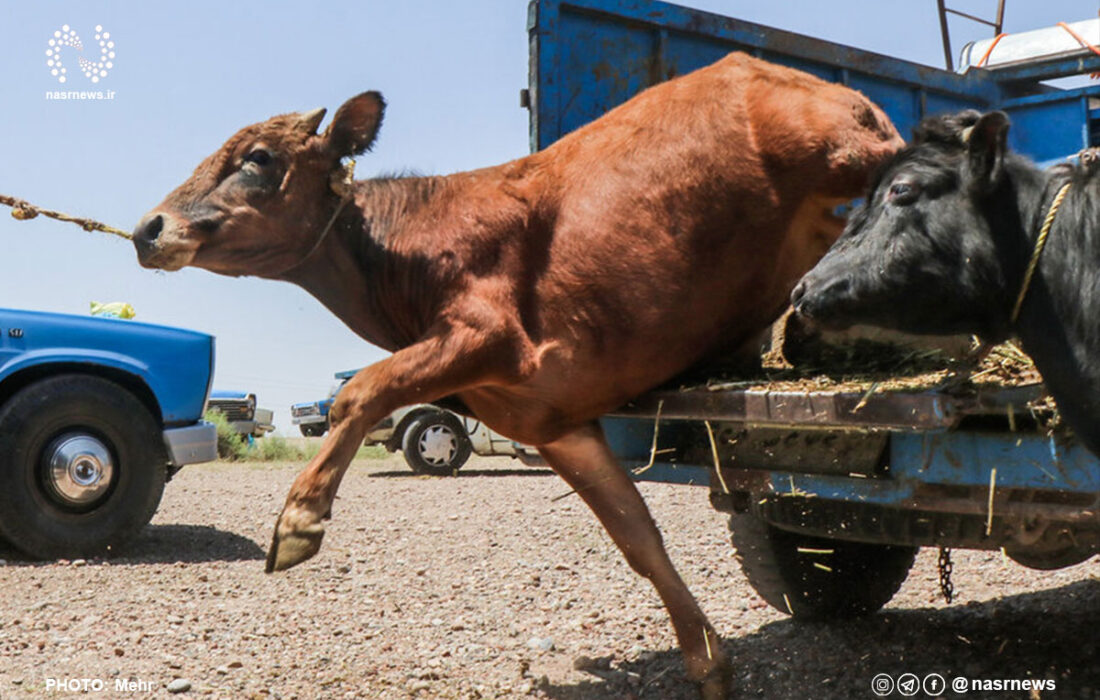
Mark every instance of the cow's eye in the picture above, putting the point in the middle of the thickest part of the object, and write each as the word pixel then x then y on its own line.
pixel 902 192
pixel 260 157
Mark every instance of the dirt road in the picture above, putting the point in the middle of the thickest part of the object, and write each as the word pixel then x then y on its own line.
pixel 482 587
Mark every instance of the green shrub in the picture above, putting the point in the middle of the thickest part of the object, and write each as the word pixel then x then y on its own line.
pixel 372 452
pixel 276 449
pixel 232 446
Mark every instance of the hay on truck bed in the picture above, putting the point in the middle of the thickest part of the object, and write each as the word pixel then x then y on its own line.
pixel 802 359
pixel 868 364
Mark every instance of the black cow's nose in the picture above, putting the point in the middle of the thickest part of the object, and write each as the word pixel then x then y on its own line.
pixel 798 292
pixel 149 228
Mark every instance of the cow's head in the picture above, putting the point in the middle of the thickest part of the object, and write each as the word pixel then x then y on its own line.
pixel 932 247
pixel 259 204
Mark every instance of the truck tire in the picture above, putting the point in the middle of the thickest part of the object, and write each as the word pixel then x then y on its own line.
pixel 857 578
pixel 82 467
pixel 435 444
pixel 313 429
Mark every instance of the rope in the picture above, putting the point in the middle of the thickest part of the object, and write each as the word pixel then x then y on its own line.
pixel 1084 43
pixel 996 40
pixel 1080 40
pixel 342 182
pixel 24 211
pixel 1040 243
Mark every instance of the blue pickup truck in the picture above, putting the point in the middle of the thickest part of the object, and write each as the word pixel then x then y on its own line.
pixel 311 417
pixel 96 415
pixel 831 491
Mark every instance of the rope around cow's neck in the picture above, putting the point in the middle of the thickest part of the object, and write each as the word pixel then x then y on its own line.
pixel 324 233
pixel 23 210
pixel 1040 243
pixel 342 182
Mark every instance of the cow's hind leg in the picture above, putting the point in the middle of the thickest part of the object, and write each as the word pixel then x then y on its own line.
pixel 584 459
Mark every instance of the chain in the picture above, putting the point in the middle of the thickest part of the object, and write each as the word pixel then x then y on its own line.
pixel 946 587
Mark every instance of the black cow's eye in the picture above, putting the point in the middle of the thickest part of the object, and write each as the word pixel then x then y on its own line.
pixel 902 192
pixel 259 156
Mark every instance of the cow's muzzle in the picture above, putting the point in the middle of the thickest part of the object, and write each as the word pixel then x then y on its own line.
pixel 823 304
pixel 160 245
pixel 149 229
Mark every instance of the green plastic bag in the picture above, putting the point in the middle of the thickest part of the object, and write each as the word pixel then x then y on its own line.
pixel 114 309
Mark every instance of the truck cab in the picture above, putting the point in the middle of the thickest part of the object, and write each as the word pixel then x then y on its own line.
pixel 96 415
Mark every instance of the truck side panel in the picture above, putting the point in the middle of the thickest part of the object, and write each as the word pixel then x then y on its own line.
pixel 587 56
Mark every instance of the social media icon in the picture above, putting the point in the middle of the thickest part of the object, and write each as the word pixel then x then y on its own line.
pixel 908 684
pixel 882 685
pixel 960 685
pixel 934 684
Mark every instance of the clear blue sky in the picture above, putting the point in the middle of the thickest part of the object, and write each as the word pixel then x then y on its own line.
pixel 187 75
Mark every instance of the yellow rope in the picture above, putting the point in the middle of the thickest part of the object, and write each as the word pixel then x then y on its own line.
pixel 23 210
pixel 1040 243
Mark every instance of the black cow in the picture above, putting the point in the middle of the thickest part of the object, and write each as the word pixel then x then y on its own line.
pixel 942 245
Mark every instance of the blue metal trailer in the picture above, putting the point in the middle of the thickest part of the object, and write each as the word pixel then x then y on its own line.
pixel 828 503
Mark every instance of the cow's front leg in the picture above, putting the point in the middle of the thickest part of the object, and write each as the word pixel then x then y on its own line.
pixel 453 357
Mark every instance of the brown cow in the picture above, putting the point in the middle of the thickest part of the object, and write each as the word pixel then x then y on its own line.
pixel 546 291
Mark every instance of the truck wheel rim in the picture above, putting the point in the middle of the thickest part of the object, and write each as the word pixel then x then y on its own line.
pixel 437 445
pixel 79 469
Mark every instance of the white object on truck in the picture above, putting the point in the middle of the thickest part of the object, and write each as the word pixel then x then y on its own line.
pixel 1029 46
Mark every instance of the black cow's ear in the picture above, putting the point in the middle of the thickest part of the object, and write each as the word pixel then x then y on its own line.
pixel 986 143
pixel 355 125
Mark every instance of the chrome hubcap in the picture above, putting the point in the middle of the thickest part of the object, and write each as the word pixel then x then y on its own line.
pixel 438 445
pixel 79 468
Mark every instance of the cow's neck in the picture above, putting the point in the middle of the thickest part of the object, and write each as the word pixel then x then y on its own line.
pixel 1060 320
pixel 359 271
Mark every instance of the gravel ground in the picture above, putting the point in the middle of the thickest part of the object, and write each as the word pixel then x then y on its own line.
pixel 481 587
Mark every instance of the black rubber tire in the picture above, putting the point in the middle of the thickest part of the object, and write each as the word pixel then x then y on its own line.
pixel 435 421
pixel 30 517
pixel 313 429
pixel 858 579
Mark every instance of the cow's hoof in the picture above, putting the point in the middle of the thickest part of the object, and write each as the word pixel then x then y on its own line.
pixel 718 685
pixel 294 547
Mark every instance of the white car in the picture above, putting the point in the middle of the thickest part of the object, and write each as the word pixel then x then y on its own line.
pixel 438 442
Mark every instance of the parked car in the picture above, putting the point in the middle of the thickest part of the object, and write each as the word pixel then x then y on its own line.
pixel 432 439
pixel 239 408
pixel 436 441
pixel 96 415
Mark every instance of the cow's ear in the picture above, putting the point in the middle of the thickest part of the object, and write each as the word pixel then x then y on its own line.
pixel 355 125
pixel 986 143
